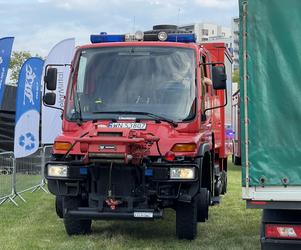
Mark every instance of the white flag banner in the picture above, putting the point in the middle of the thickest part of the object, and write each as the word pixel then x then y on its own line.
pixel 61 53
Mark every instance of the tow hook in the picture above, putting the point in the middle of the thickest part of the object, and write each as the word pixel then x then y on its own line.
pixel 112 203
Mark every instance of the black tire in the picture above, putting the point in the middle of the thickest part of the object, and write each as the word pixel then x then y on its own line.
pixel 165 27
pixel 186 220
pixel 75 226
pixel 224 182
pixel 237 161
pixel 59 206
pixel 203 201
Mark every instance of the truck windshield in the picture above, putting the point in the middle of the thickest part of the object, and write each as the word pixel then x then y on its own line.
pixel 156 80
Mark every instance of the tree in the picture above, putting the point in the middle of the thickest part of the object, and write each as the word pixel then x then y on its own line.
pixel 235 76
pixel 16 62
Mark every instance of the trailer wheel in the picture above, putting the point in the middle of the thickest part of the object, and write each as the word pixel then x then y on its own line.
pixel 186 220
pixel 59 206
pixel 203 201
pixel 75 226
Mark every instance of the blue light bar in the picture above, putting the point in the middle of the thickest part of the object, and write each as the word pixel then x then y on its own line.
pixel 181 38
pixel 104 38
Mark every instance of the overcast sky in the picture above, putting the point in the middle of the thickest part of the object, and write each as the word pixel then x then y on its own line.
pixel 37 25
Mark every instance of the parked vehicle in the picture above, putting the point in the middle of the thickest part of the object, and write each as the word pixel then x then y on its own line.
pixel 271 117
pixel 143 130
pixel 236 153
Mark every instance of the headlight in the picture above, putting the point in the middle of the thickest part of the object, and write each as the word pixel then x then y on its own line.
pixel 182 173
pixel 57 170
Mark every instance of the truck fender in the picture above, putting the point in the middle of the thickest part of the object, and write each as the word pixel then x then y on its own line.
pixel 204 148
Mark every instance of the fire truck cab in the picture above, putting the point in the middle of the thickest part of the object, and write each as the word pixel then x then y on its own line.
pixel 143 130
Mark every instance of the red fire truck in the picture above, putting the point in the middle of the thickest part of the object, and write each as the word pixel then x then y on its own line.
pixel 143 130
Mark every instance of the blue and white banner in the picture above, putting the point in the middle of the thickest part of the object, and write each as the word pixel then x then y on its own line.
pixel 28 103
pixel 6 45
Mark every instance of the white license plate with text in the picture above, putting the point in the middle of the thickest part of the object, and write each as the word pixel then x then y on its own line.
pixel 130 125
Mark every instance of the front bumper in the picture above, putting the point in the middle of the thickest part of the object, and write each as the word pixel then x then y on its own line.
pixel 93 181
pixel 276 244
pixel 95 214
pixel 154 172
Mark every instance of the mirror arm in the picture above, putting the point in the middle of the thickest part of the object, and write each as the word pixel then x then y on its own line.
pixel 204 117
pixel 212 63
pixel 49 106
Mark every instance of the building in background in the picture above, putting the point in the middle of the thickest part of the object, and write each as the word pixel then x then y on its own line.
pixel 235 35
pixel 208 32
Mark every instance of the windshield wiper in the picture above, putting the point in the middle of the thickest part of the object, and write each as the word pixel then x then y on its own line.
pixel 157 118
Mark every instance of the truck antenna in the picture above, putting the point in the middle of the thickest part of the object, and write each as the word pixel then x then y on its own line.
pixel 134 24
pixel 179 12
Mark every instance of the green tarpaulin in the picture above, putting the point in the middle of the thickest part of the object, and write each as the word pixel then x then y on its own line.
pixel 274 91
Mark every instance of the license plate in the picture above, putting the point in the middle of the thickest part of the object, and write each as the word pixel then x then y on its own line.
pixel 132 125
pixel 143 214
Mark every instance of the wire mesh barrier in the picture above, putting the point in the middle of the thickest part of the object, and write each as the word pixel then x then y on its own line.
pixel 28 171
pixel 46 156
pixel 22 174
pixel 6 175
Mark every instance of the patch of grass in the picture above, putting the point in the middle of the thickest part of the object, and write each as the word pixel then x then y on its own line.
pixel 34 225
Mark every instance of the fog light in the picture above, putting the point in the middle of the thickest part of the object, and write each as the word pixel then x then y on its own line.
pixel 57 170
pixel 182 173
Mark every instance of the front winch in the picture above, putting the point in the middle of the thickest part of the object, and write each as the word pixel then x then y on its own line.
pixel 116 145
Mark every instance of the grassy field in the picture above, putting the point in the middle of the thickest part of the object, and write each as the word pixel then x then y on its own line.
pixel 34 225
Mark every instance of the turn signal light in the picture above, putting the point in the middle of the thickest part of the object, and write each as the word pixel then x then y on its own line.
pixel 184 147
pixel 62 146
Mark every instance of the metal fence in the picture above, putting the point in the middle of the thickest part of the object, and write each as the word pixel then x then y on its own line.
pixel 22 174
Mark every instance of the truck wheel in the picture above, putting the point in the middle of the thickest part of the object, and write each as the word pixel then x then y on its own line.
pixel 59 206
pixel 186 220
pixel 224 182
pixel 203 201
pixel 237 161
pixel 75 226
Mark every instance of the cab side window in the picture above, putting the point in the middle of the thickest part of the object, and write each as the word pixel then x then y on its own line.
pixel 207 82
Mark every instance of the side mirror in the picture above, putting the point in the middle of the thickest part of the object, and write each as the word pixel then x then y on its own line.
pixel 49 98
pixel 219 77
pixel 50 78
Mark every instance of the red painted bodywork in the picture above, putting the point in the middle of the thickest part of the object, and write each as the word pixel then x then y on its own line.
pixel 195 131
